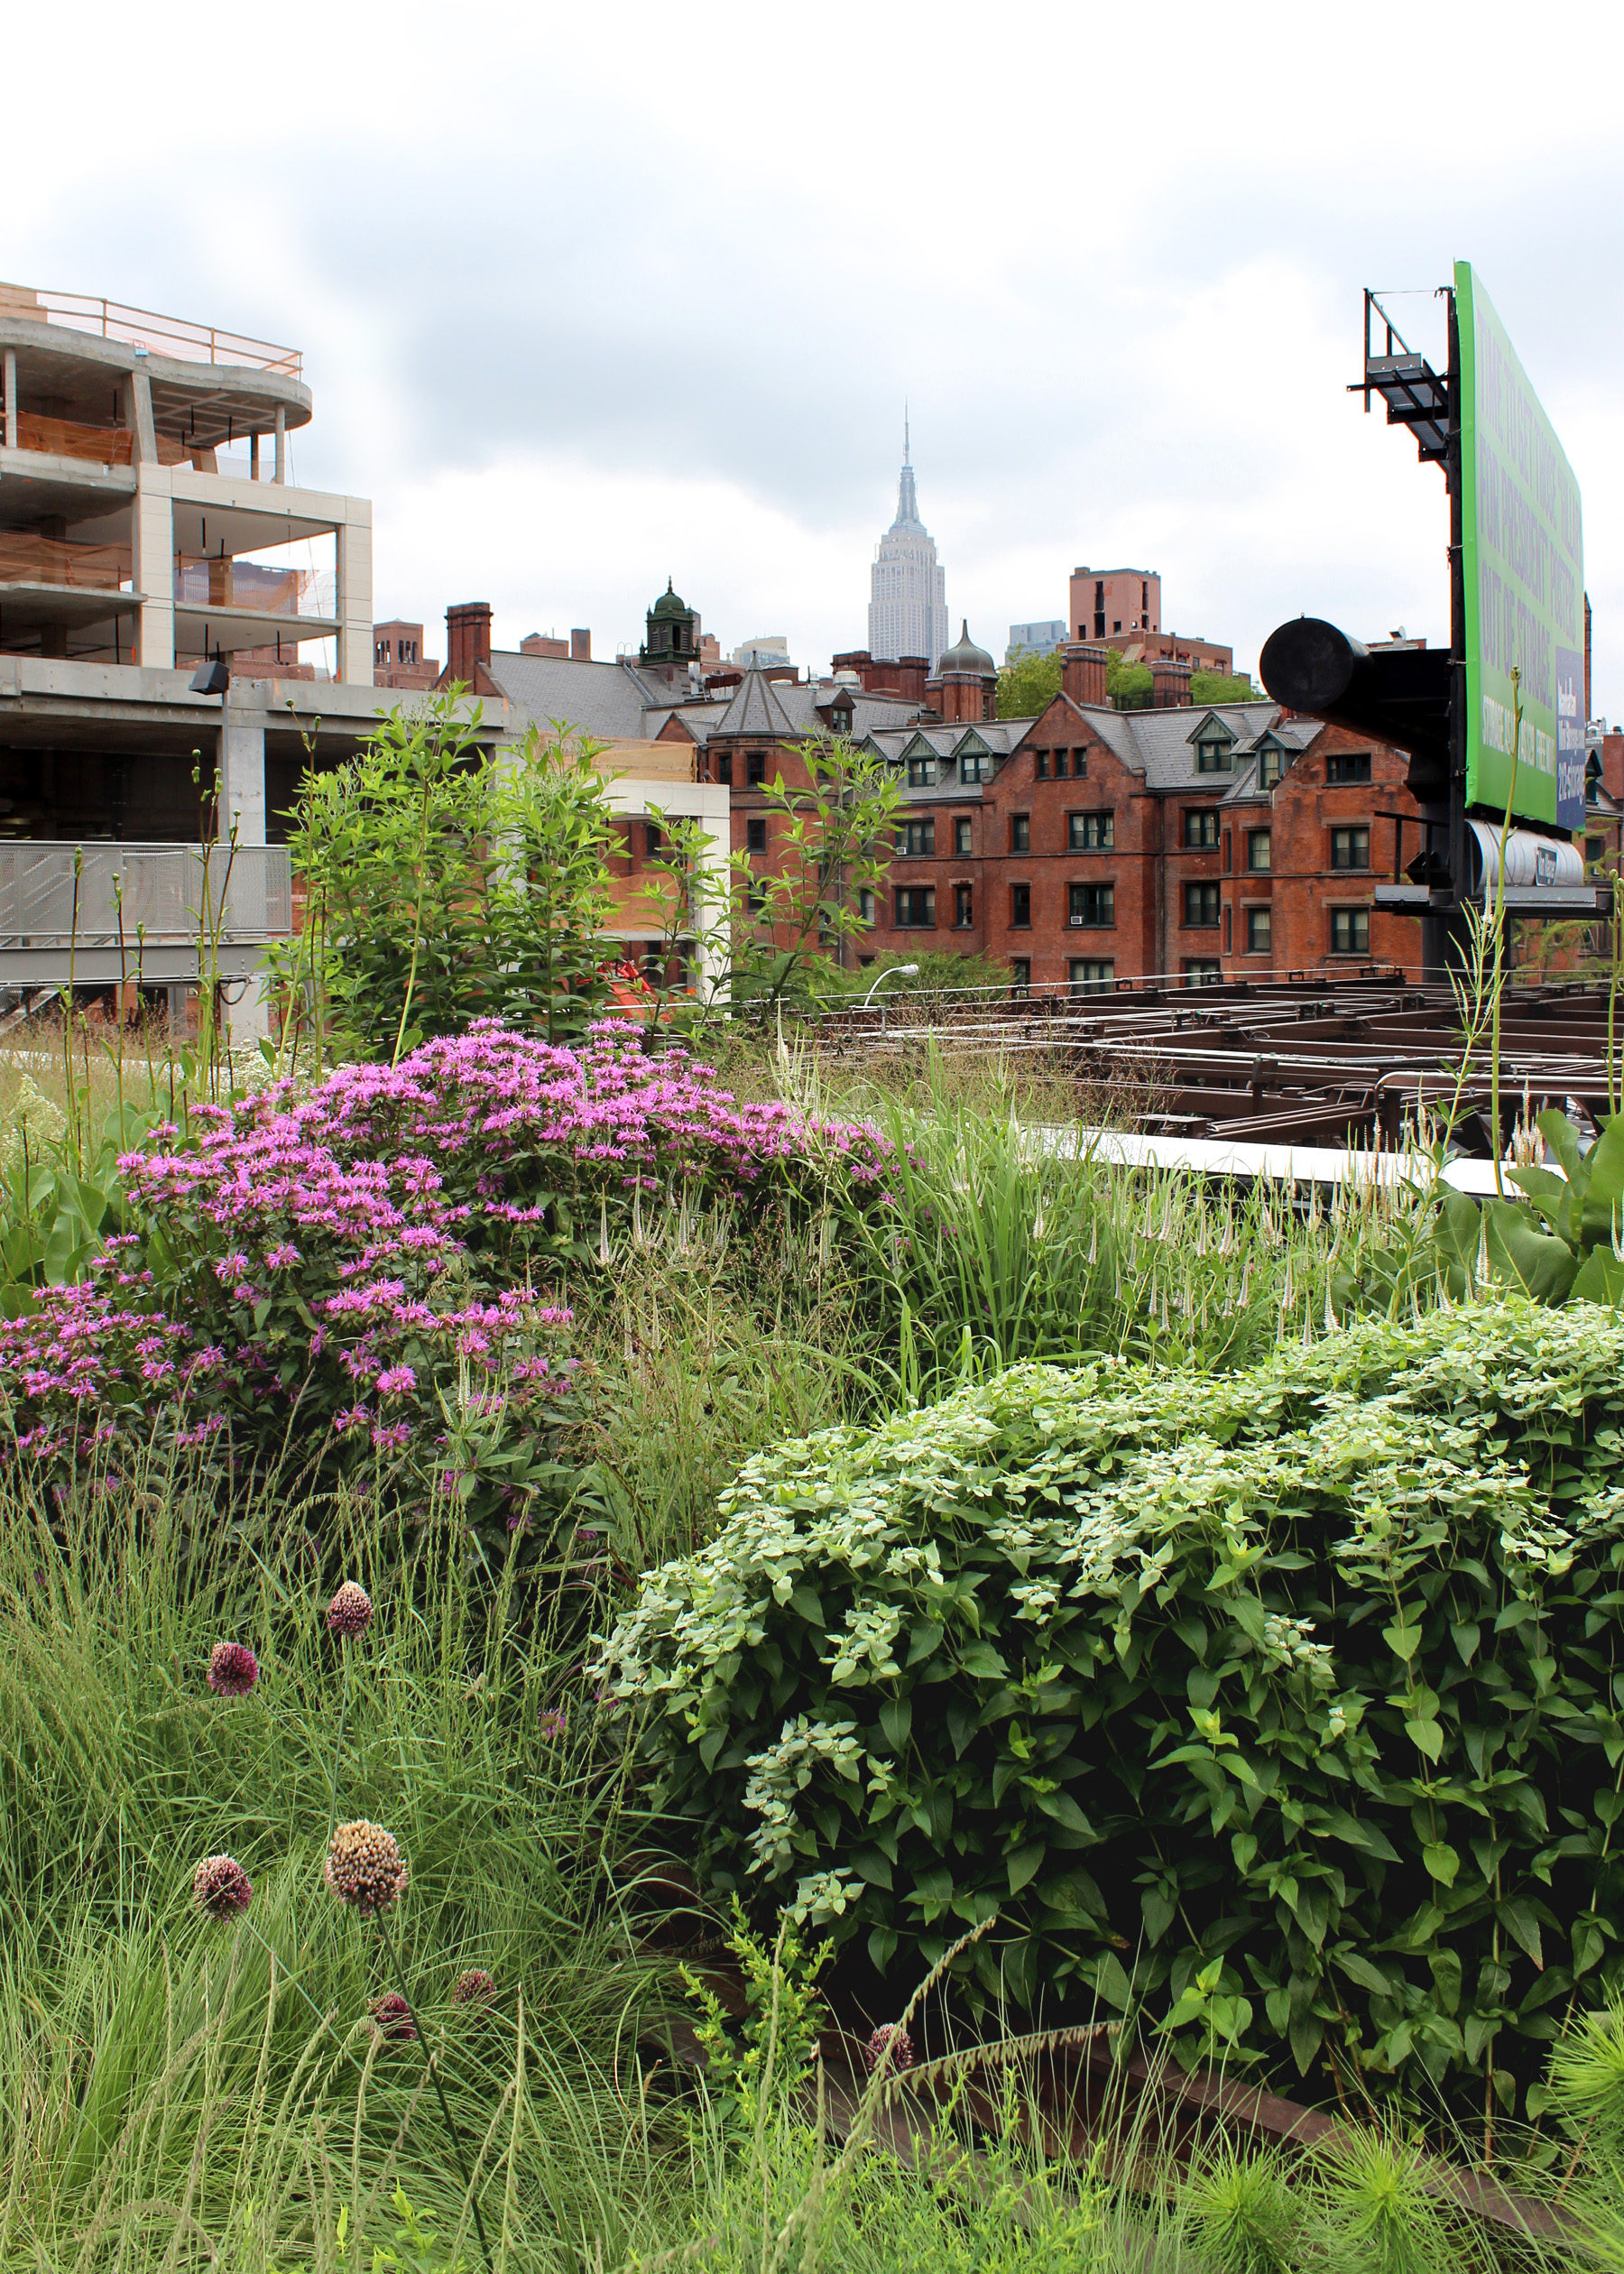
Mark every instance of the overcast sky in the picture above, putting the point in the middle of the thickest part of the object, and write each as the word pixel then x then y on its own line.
pixel 590 296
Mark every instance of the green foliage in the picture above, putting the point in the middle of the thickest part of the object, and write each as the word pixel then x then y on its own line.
pixel 1220 686
pixel 1562 1240
pixel 1004 1245
pixel 1028 683
pixel 145 2051
pixel 1242 2213
pixel 1382 2212
pixel 56 1212
pixel 831 842
pixel 1129 686
pixel 1278 1707
pixel 939 972
pixel 770 2057
pixel 440 886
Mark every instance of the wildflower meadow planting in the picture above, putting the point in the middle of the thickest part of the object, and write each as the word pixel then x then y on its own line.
pixel 643 1648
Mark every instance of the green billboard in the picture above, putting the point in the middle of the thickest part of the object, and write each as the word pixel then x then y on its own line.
pixel 1524 561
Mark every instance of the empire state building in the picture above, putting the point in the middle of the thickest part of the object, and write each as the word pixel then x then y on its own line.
pixel 907 591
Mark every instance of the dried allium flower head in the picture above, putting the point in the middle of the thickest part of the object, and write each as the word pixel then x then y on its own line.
pixel 350 1611
pixel 233 1669
pixel 474 1988
pixel 392 2017
pixel 899 2043
pixel 365 1867
pixel 221 1887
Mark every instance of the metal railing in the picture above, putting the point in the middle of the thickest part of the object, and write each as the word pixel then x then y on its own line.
pixel 172 336
pixel 243 898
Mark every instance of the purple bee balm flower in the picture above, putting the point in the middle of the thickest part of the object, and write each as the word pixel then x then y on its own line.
pixel 221 1888
pixel 553 1723
pixel 233 1669
pixel 396 1380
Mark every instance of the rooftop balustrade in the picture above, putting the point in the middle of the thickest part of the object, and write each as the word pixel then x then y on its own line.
pixel 142 327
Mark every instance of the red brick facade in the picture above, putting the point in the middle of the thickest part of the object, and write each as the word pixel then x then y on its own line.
pixel 1081 869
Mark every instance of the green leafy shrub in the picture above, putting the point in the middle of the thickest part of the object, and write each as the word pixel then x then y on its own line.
pixel 1560 1241
pixel 1281 1709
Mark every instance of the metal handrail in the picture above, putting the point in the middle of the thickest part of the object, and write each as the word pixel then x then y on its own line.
pixel 143 327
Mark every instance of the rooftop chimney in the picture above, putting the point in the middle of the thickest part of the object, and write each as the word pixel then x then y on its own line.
pixel 580 645
pixel 468 639
pixel 1083 675
pixel 542 644
pixel 1169 684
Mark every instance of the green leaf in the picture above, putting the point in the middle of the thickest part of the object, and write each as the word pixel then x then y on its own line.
pixel 1403 1639
pixel 1441 1861
pixel 1536 1265
pixel 1604 1185
pixel 1599 1279
pixel 1159 1911
pixel 808 1603
pixel 1063 1809
pixel 1520 1922
pixel 1467 1635
pixel 1362 1971
pixel 896 1719
pixel 1427 1737
pixel 1112 1983
pixel 1025 1864
pixel 985 1663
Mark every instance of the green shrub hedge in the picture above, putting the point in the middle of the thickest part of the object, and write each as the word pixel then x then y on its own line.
pixel 1282 1709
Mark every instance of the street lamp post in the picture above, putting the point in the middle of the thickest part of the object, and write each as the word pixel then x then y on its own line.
pixel 891 971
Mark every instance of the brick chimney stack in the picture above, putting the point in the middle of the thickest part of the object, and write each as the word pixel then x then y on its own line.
pixel 1169 686
pixel 580 646
pixel 1083 675
pixel 467 639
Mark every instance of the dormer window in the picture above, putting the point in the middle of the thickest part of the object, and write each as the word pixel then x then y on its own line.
pixel 1214 754
pixel 840 720
pixel 1271 765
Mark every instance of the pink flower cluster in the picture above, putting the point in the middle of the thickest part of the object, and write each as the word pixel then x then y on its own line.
pixel 305 1240
pixel 91 1356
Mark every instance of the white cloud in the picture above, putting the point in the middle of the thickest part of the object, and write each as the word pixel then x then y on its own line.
pixel 591 296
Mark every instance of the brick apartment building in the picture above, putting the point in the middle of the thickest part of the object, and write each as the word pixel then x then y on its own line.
pixel 1091 845
pixel 1121 608
pixel 1084 845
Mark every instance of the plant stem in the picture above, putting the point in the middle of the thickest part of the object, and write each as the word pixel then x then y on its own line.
pixel 338 1748
pixel 440 2092
pixel 416 935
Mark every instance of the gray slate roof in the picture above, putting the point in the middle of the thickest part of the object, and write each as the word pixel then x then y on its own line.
pixel 1161 745
pixel 606 699
pixel 618 702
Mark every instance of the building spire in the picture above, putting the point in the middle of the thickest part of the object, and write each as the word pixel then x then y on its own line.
pixel 908 503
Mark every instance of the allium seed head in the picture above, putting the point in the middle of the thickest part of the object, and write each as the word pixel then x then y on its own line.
pixel 474 1988
pixel 392 2017
pixel 233 1669
pixel 365 1867
pixel 350 1611
pixel 221 1888
pixel 899 2043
